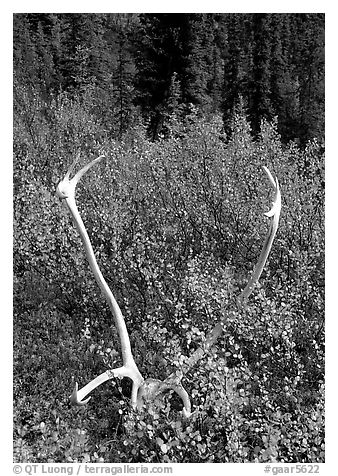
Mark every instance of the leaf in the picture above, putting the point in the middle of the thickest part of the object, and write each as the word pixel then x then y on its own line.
pixel 164 448
pixel 86 458
pixel 159 441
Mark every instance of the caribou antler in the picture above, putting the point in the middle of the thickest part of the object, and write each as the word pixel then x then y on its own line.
pixel 215 333
pixel 66 191
pixel 150 389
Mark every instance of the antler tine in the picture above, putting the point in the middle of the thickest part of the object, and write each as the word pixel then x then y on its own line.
pixel 77 396
pixel 66 188
pixel 151 389
pixel 84 169
pixel 72 166
pixel 270 177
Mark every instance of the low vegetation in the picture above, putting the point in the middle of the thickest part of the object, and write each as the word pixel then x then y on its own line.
pixel 177 225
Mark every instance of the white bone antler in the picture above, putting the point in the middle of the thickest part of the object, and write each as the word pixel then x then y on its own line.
pixel 274 213
pixel 66 191
pixel 142 390
pixel 150 389
pixel 217 330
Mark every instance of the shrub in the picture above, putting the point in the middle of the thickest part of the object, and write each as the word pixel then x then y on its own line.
pixel 177 226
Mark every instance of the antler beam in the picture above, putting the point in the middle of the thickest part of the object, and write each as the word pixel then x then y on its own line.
pixel 66 191
pixel 274 213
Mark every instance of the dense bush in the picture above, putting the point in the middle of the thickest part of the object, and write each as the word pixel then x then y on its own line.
pixel 177 226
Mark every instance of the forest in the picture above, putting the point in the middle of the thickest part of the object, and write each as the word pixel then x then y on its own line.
pixel 186 110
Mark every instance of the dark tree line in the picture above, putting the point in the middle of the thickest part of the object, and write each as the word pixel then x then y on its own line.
pixel 149 65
